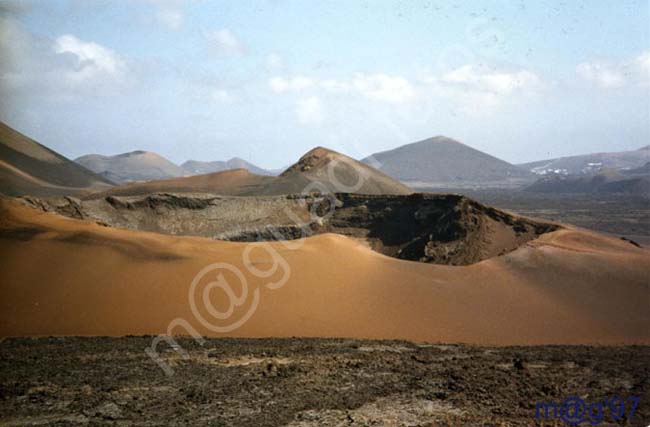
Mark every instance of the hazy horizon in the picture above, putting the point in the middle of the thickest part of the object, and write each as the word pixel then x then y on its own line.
pixel 268 80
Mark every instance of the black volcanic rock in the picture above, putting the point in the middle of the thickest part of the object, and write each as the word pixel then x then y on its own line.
pixel 435 228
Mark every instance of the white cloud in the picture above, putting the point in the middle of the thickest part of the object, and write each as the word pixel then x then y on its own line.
pixel 333 85
pixel 477 103
pixel 169 13
pixel 310 110
pixel 601 74
pixel 479 90
pixel 379 87
pixel 499 82
pixel 281 84
pixel 471 89
pixel 93 61
pixel 209 89
pixel 278 84
pixel 57 70
pixel 171 18
pixel 224 42
pixel 274 62
pixel 614 75
pixel 16 45
pixel 222 95
pixel 643 61
pixel 642 68
pixel 384 88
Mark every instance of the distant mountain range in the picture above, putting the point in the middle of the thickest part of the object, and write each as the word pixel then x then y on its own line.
pixel 147 166
pixel 435 163
pixel 442 162
pixel 641 170
pixel 27 167
pixel 319 170
pixel 590 163
pixel 637 185
pixel 133 166
pixel 194 167
pixel 625 172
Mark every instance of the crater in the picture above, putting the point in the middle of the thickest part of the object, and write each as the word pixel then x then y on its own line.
pixel 446 229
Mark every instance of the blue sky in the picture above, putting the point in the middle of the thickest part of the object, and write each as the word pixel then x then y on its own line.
pixel 268 80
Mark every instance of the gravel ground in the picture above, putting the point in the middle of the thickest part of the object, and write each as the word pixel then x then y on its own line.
pixel 309 382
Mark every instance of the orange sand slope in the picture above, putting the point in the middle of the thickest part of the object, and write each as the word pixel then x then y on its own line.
pixel 66 277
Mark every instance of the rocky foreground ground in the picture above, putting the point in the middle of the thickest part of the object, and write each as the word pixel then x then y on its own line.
pixel 309 382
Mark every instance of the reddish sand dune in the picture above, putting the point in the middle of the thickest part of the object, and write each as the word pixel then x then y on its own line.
pixel 234 181
pixel 67 277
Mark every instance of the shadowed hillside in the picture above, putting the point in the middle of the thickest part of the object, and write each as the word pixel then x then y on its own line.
pixel 27 167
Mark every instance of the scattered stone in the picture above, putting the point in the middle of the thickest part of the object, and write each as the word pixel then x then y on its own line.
pixel 108 410
pixel 519 363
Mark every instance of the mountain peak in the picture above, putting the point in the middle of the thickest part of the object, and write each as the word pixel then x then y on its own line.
pixel 443 162
pixel 133 153
pixel 319 151
pixel 139 165
pixel 440 139
pixel 315 158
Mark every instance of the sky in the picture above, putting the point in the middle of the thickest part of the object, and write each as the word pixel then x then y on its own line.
pixel 268 80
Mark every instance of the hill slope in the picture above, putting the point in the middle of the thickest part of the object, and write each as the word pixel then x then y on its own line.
pixel 97 280
pixel 27 167
pixel 230 182
pixel 133 166
pixel 318 170
pixel 329 171
pixel 441 162
pixel 640 171
pixel 607 181
pixel 589 163
pixel 194 167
